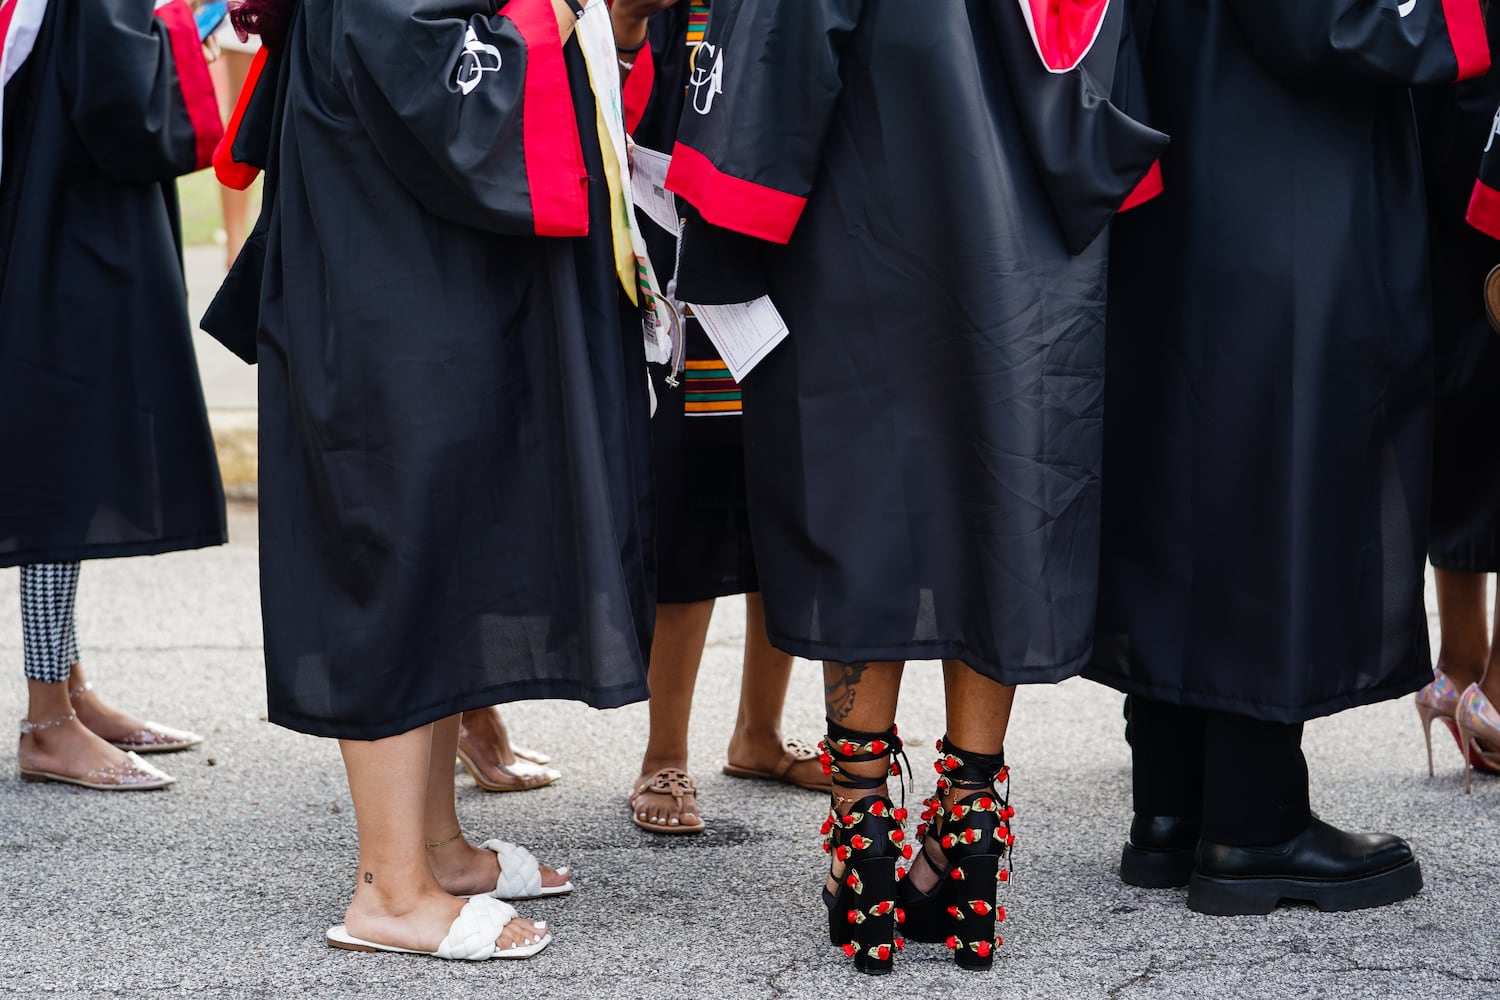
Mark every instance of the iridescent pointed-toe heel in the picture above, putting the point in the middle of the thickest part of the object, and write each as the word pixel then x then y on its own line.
pixel 1478 726
pixel 1438 700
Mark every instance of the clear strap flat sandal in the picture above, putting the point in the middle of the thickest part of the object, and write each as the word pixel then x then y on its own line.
pixel 132 774
pixel 153 737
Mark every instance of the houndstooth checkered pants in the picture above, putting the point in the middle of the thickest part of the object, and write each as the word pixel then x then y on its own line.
pixel 47 631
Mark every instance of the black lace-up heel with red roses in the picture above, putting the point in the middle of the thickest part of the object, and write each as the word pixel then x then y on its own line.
pixel 949 895
pixel 865 841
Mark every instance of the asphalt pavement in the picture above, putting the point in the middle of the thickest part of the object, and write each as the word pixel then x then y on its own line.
pixel 223 885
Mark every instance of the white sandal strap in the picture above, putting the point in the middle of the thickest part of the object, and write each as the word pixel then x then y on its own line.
pixel 471 936
pixel 520 872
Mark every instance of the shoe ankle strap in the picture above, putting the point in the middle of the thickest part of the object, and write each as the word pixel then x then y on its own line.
pixel 966 769
pixel 75 693
pixel 28 727
pixel 850 746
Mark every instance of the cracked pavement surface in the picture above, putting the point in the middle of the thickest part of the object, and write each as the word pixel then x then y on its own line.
pixel 223 885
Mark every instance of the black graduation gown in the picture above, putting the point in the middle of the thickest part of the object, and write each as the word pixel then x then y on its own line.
pixel 1454 123
pixel 455 465
pixel 103 432
pixel 923 450
pixel 1269 439
pixel 703 545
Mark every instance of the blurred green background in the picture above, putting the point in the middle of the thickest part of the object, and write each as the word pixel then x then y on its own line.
pixel 202 221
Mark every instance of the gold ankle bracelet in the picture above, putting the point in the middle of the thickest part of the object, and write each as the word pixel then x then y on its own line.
pixel 445 843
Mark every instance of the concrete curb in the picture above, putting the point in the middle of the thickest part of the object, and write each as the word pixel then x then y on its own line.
pixel 235 439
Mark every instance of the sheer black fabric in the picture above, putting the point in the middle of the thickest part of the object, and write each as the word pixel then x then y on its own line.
pixel 923 450
pixel 1270 396
pixel 105 438
pixel 455 469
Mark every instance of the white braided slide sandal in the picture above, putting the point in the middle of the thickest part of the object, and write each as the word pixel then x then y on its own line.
pixel 471 936
pixel 521 873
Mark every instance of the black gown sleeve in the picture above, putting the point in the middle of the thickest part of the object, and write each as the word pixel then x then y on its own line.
pixel 1322 43
pixel 760 100
pixel 1484 204
pixel 138 90
pixel 472 112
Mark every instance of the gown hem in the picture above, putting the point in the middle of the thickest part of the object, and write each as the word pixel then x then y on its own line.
pixel 598 698
pixel 1286 714
pixel 936 649
pixel 115 550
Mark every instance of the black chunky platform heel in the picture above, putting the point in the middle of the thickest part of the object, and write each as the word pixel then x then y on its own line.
pixel 868 841
pixel 967 849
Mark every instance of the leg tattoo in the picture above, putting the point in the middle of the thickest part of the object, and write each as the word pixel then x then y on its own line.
pixel 839 683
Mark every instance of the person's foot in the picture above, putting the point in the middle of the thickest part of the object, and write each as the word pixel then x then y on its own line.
pixel 771 758
pixel 1322 865
pixel 1160 851
pixel 664 799
pixel 121 728
pixel 485 752
pixel 421 923
pixel 465 870
pixel 65 749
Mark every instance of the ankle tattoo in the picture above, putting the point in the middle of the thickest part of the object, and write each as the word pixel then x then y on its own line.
pixel 369 878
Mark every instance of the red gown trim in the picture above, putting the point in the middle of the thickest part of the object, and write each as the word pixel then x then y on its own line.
pixel 638 88
pixel 1484 210
pixel 192 76
pixel 732 203
pixel 1063 31
pixel 1471 46
pixel 7 11
pixel 1150 186
pixel 555 172
pixel 230 172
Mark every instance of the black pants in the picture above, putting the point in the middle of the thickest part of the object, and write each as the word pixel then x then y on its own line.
pixel 1246 778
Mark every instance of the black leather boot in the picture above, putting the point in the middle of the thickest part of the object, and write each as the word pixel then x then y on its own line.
pixel 1322 865
pixel 1160 852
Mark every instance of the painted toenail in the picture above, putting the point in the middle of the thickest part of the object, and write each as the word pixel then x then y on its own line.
pixel 673 821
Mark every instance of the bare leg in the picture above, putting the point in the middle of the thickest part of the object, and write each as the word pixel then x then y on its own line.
pixel 862 697
pixel 758 743
pixel 1464 646
pixel 676 652
pixel 397 900
pixel 978 708
pixel 460 868
pixel 235 204
pixel 1490 682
